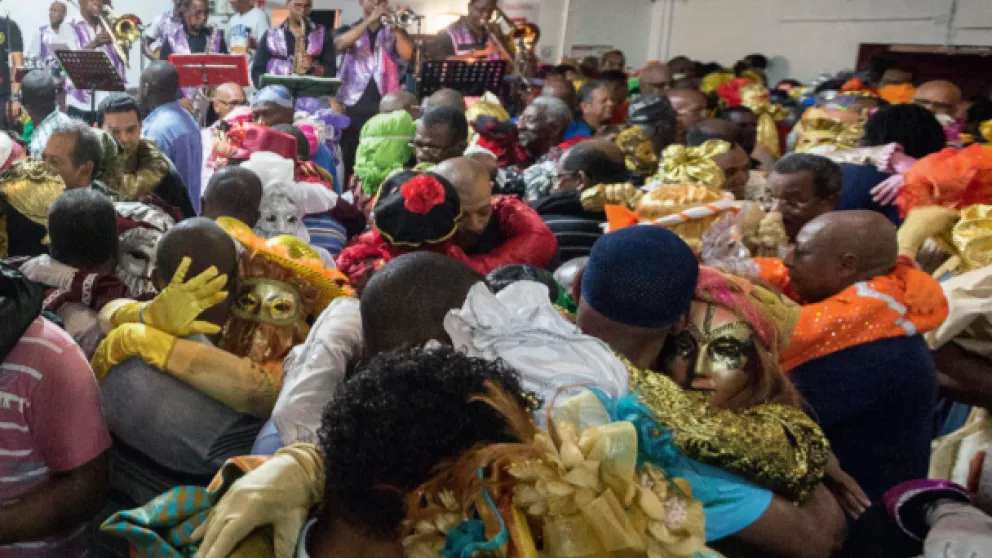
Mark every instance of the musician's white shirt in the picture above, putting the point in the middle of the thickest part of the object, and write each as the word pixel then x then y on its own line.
pixel 65 34
pixel 241 26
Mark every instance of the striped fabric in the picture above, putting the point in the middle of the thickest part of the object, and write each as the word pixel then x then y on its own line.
pixel 326 232
pixel 163 527
pixel 50 420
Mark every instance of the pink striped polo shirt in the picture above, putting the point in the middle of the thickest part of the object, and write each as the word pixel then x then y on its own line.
pixel 50 421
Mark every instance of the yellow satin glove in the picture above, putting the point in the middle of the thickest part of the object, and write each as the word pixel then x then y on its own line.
pixel 176 308
pixel 279 493
pixel 921 224
pixel 132 340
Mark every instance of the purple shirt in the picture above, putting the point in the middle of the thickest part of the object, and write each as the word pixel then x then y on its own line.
pixel 175 132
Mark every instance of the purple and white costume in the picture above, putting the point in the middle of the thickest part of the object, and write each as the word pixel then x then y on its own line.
pixel 464 42
pixel 280 59
pixel 84 34
pixel 362 63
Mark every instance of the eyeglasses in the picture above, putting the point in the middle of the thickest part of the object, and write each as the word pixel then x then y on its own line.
pixel 234 104
pixel 934 105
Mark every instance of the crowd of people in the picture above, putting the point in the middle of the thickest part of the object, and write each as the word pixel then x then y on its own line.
pixel 674 311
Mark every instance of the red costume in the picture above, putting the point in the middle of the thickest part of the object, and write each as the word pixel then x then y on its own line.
pixel 527 240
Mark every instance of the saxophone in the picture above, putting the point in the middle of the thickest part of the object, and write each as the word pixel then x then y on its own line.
pixel 300 66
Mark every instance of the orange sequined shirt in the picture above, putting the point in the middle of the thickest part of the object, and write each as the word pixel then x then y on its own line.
pixel 905 302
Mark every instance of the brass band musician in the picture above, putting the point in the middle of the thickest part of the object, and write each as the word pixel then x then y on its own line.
pixel 296 46
pixel 474 36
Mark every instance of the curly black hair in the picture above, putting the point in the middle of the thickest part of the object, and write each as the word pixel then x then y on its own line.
pixel 399 417
pixel 913 127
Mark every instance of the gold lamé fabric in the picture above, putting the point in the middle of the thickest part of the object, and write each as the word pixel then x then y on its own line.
pixel 30 187
pixel 638 150
pixel 152 168
pixel 775 446
pixel 757 98
pixel 985 130
pixel 972 236
pixel 693 165
pixel 813 132
pixel 598 197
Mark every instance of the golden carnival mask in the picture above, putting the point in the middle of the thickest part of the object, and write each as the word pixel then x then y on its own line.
pixel 268 301
pixel 718 346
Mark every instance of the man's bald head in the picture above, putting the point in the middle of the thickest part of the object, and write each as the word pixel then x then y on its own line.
pixel 655 79
pixel 227 97
pixel 445 98
pixel 838 249
pixel 206 244
pixel 691 108
pixel 406 301
pixel 472 182
pixel 400 100
pixel 939 97
pixel 468 176
pixel 233 192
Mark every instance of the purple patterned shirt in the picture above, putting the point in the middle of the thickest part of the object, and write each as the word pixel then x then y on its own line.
pixel 362 63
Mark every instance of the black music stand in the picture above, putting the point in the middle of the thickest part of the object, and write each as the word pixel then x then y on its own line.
pixel 471 80
pixel 304 86
pixel 92 70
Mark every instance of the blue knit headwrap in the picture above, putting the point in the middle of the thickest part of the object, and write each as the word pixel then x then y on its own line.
pixel 642 276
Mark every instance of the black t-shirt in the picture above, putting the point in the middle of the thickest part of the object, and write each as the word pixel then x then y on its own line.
pixel 10 41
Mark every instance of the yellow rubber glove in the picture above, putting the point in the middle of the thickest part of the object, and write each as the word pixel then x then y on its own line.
pixel 176 308
pixel 924 223
pixel 132 340
pixel 280 493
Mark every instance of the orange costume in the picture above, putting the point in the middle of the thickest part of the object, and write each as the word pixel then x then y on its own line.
pixel 950 178
pixel 905 302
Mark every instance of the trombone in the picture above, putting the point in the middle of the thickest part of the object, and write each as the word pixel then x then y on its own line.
pixel 124 30
pixel 522 44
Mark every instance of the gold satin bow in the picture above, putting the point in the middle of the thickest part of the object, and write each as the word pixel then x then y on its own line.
pixel 756 98
pixel 693 165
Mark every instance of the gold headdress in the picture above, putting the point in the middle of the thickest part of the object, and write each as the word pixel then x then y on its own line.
pixel 815 132
pixel 693 165
pixel 317 285
pixel 638 151
pixel 757 98
pixel 972 237
pixel 30 187
pixel 488 105
pixel 581 483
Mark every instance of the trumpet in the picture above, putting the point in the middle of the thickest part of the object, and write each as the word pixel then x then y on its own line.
pixel 404 17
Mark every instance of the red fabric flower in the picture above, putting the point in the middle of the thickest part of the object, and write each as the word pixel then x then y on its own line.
pixel 422 193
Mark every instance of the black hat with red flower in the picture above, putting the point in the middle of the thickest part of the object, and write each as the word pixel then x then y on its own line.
pixel 416 208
